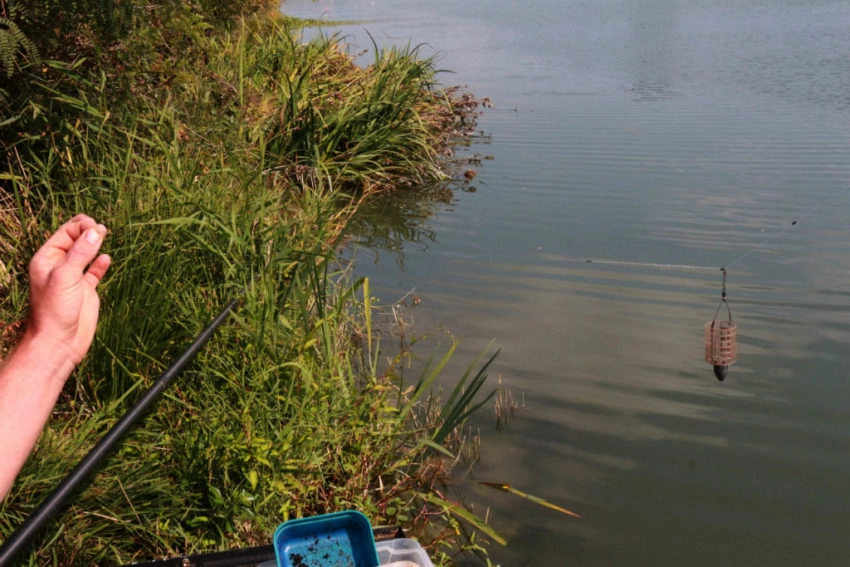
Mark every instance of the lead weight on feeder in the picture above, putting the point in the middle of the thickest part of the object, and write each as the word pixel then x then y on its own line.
pixel 720 371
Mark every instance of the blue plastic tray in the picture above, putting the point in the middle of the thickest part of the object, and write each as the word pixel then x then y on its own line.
pixel 341 539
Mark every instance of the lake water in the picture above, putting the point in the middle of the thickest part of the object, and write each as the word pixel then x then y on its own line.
pixel 663 139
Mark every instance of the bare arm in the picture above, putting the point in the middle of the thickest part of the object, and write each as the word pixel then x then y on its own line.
pixel 63 315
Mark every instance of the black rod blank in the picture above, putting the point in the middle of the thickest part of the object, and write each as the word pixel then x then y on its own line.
pixel 53 503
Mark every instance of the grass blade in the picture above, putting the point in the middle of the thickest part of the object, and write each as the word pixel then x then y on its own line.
pixel 532 498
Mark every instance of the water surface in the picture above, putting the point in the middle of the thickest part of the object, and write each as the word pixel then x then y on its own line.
pixel 636 133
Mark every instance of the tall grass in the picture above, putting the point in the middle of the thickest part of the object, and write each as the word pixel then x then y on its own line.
pixel 366 128
pixel 237 183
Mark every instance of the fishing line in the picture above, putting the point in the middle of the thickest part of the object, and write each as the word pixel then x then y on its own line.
pixel 823 202
pixel 645 264
pixel 720 335
pixel 758 246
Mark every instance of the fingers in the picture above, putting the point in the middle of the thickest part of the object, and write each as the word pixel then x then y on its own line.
pixel 97 269
pixel 69 233
pixel 52 253
pixel 73 247
pixel 84 249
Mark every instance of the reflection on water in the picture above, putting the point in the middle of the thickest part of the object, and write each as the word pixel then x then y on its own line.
pixel 635 133
pixel 393 223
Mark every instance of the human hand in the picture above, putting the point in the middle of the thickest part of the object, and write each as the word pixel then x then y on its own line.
pixel 63 276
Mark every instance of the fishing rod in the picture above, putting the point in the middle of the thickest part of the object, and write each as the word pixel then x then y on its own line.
pixel 56 500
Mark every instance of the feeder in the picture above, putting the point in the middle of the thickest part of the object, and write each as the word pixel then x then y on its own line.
pixel 721 345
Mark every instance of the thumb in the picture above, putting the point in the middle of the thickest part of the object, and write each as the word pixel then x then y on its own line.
pixel 85 248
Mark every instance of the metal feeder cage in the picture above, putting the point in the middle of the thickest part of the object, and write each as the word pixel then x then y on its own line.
pixel 721 347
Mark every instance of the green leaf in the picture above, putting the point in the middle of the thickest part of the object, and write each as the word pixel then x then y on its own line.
pixel 535 499
pixel 253 479
pixel 465 515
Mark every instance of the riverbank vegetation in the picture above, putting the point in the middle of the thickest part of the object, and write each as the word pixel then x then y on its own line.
pixel 226 156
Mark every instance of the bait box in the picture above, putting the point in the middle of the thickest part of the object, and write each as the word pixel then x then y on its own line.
pixel 402 550
pixel 340 539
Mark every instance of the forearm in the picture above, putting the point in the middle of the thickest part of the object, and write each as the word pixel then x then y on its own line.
pixel 31 379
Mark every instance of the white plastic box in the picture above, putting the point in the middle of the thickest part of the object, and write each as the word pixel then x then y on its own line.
pixel 402 550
